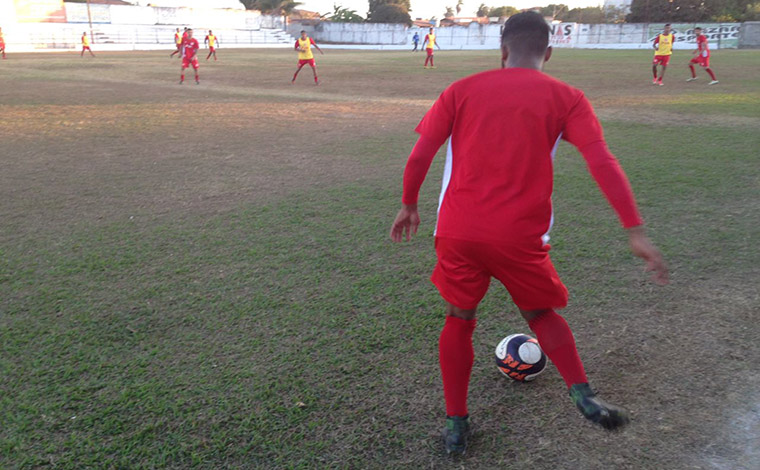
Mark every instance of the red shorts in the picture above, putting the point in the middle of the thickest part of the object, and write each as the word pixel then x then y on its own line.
pixel 701 60
pixel 187 63
pixel 465 269
pixel 86 48
pixel 661 60
pixel 302 62
pixel 429 51
pixel 212 49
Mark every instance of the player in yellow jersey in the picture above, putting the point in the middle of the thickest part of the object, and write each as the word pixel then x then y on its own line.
pixel 663 49
pixel 305 56
pixel 212 41
pixel 2 43
pixel 428 43
pixel 177 42
pixel 86 45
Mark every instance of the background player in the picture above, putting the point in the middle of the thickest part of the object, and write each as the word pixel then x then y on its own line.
pixel 178 43
pixel 2 43
pixel 305 56
pixel 212 41
pixel 190 48
pixel 86 45
pixel 495 210
pixel 430 41
pixel 663 49
pixel 701 57
pixel 416 41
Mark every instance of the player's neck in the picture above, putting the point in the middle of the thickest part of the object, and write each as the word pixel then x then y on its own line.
pixel 523 63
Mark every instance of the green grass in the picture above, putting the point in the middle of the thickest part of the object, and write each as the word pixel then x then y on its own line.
pixel 282 329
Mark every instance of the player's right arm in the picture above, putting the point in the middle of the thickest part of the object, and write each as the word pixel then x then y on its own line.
pixel 583 130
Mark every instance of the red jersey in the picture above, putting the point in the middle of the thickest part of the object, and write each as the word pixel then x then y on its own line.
pixel 190 47
pixel 702 45
pixel 504 127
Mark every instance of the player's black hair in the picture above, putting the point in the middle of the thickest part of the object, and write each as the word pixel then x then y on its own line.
pixel 667 24
pixel 303 30
pixel 698 28
pixel 526 33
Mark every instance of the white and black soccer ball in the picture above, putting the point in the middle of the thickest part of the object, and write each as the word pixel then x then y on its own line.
pixel 520 358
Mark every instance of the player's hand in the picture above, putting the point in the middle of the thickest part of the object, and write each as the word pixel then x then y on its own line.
pixel 406 223
pixel 642 247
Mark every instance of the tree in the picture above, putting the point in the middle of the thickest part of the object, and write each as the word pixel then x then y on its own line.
pixel 556 12
pixel 459 6
pixel 271 7
pixel 449 13
pixel 591 15
pixel 483 11
pixel 686 11
pixel 389 13
pixel 503 11
pixel 344 15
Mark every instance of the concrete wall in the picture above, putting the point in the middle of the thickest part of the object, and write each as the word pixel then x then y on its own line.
pixel 571 35
pixel 749 38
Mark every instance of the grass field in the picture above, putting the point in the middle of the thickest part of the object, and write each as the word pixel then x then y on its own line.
pixel 201 276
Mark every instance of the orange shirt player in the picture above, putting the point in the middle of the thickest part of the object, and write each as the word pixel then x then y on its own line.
pixel 428 43
pixel 305 56
pixel 2 43
pixel 663 49
pixel 212 41
pixel 177 43
pixel 86 45
pixel 190 48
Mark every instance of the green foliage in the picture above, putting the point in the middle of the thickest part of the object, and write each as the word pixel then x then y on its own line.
pixel 502 11
pixel 271 7
pixel 344 15
pixel 482 11
pixel 388 11
pixel 449 12
pixel 689 11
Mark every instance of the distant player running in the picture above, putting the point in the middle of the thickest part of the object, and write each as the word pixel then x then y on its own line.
pixel 2 43
pixel 663 49
pixel 428 43
pixel 177 43
pixel 305 56
pixel 495 210
pixel 86 45
pixel 701 57
pixel 212 41
pixel 190 48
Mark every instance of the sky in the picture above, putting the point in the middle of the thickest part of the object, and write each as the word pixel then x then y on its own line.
pixel 427 8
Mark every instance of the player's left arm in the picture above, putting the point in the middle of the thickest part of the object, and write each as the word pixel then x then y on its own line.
pixel 315 46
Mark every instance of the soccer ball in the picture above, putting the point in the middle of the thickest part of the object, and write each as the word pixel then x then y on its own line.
pixel 520 358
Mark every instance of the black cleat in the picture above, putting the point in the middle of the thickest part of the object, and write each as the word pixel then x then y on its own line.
pixel 596 410
pixel 456 433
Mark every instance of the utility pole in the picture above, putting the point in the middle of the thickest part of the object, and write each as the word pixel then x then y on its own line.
pixel 89 19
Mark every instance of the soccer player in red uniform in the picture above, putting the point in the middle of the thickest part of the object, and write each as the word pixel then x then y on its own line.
pixel 428 43
pixel 701 57
pixel 178 42
pixel 305 56
pixel 2 43
pixel 503 127
pixel 212 41
pixel 663 49
pixel 85 45
pixel 190 48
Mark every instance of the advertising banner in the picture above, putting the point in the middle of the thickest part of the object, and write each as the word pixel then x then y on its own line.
pixel 563 34
pixel 40 11
pixel 719 36
pixel 77 13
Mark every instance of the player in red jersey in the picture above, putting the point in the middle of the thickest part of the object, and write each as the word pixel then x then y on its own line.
pixel 85 45
pixel 305 56
pixel 2 43
pixel 663 49
pixel 428 43
pixel 701 57
pixel 177 42
pixel 190 48
pixel 212 42
pixel 503 127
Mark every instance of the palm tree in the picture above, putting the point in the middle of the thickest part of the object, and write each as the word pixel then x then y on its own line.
pixel 459 6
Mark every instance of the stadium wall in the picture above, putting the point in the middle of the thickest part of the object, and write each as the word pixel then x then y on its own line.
pixel 477 36
pixel 750 35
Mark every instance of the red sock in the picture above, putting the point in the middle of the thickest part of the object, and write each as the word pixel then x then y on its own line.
pixel 693 73
pixel 456 355
pixel 712 75
pixel 557 341
pixel 315 79
pixel 431 61
pixel 427 59
pixel 182 77
pixel 196 77
pixel 654 72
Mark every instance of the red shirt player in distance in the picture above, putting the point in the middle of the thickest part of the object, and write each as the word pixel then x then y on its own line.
pixel 495 209
pixel 190 48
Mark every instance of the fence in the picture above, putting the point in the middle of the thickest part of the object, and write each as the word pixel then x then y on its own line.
pixel 571 35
